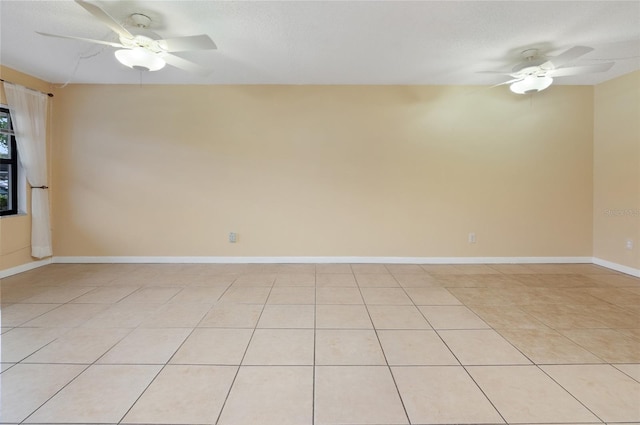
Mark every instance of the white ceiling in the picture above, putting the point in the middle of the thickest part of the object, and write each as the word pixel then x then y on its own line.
pixel 326 42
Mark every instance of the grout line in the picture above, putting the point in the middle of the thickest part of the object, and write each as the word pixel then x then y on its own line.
pixel 244 354
pixel 375 330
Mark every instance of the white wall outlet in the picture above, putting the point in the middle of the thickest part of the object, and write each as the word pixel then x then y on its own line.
pixel 472 237
pixel 629 244
pixel 233 237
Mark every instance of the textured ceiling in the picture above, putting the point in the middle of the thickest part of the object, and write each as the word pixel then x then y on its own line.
pixel 326 42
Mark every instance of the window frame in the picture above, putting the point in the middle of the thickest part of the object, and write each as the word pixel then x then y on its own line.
pixel 13 165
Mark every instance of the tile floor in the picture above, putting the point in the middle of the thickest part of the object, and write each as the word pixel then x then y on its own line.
pixel 320 344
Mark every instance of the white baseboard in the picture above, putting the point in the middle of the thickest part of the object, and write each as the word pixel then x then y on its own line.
pixel 320 260
pixel 617 267
pixel 24 267
pixel 324 260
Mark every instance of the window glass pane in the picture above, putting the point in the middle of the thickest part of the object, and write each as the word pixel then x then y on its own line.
pixel 5 184
pixel 5 146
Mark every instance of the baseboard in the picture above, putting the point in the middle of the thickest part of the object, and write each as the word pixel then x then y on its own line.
pixel 320 260
pixel 324 260
pixel 24 267
pixel 617 267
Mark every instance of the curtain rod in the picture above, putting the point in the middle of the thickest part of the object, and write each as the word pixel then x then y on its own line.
pixel 48 94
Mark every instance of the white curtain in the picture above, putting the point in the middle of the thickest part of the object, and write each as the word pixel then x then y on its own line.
pixel 28 110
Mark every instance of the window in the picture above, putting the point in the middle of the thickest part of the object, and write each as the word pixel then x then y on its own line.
pixel 8 166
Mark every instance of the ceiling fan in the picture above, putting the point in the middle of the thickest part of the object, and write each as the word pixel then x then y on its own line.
pixel 144 52
pixel 536 72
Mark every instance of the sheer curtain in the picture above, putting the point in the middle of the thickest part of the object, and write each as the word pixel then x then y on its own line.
pixel 28 110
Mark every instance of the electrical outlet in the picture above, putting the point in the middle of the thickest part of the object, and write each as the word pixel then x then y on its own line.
pixel 629 244
pixel 233 237
pixel 472 237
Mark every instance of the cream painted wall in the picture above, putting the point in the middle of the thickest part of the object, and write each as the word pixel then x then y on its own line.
pixel 322 171
pixel 15 231
pixel 617 170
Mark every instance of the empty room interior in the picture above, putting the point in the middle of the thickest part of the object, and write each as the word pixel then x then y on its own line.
pixel 319 212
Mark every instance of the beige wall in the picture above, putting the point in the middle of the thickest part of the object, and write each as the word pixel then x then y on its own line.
pixel 322 171
pixel 617 170
pixel 15 231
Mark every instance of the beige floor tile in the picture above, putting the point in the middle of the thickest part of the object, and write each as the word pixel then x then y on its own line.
pixel 385 296
pixel 614 279
pixel 443 395
pixel 474 269
pixel 177 315
pixel 348 347
pixel 507 317
pixel 524 394
pixel 208 280
pixel 127 315
pixel 280 347
pixel 58 295
pixel 417 280
pixel 5 366
pixel 609 345
pixel 154 295
pixel 287 316
pixel 432 296
pixel 67 316
pixel 336 295
pixel 511 268
pixel 376 280
pixel 184 395
pixel 333 268
pixel 452 317
pixel 232 316
pixel 106 294
pixel 264 280
pixel 199 294
pixel 336 279
pixel 281 395
pixel 415 348
pixel 563 316
pixel 607 392
pixel 633 333
pixel 146 346
pixel 369 268
pixel 22 342
pixel 397 317
pixel 342 317
pixel 27 386
pixel 214 347
pixel 612 316
pixel 438 269
pixel 404 268
pixel 246 295
pixel 546 346
pixel 615 295
pixel 79 345
pixel 482 347
pixel 295 279
pixel 357 395
pixel 292 295
pixel 631 369
pixel 17 314
pixel 102 393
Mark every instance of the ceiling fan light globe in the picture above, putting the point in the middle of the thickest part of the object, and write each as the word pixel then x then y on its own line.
pixel 140 59
pixel 531 84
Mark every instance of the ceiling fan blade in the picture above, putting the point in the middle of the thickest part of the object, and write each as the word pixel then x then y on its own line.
pixel 184 64
pixel 89 40
pixel 105 18
pixel 580 70
pixel 506 82
pixel 566 57
pixel 183 44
